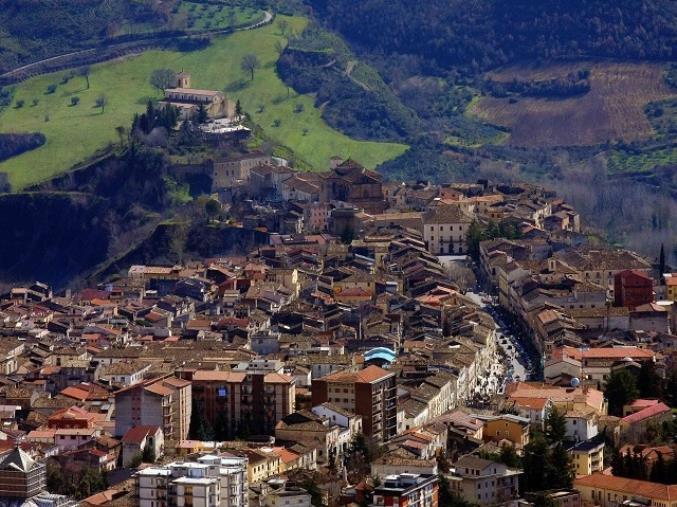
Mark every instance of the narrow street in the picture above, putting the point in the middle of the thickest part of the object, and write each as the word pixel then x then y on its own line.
pixel 517 360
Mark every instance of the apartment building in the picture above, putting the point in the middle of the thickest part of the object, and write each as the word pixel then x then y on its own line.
pixel 165 402
pixel 407 490
pixel 21 476
pixel 484 482
pixel 210 481
pixel 370 393
pixel 252 398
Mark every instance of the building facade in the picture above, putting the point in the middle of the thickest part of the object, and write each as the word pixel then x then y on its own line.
pixel 370 393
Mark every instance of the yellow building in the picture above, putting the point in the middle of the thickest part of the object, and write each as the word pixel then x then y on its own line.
pixel 671 284
pixel 587 457
pixel 507 427
pixel 611 491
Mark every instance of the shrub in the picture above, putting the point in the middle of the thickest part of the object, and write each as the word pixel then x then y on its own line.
pixel 75 101
pixel 51 88
pixel 20 103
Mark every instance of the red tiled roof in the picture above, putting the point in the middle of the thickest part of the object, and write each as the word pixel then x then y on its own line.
pixel 645 413
pixel 635 487
pixel 220 376
pixel 604 353
pixel 136 434
pixel 367 376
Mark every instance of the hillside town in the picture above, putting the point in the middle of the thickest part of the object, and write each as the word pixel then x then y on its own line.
pixel 383 343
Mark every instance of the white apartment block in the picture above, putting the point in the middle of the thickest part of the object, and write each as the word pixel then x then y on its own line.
pixel 210 481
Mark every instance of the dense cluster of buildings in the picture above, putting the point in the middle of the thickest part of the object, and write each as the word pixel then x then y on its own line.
pixel 267 378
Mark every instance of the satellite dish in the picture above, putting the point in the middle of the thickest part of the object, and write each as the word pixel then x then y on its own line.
pixel 575 382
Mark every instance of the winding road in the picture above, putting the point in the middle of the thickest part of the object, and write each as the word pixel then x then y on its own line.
pixel 267 18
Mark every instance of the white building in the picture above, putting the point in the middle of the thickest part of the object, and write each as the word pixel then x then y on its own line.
pixel 288 497
pixel 211 481
pixel 485 482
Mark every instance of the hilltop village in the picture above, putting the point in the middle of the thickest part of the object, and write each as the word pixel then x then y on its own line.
pixel 384 344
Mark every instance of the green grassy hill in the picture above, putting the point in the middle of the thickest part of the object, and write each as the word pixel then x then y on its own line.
pixel 74 133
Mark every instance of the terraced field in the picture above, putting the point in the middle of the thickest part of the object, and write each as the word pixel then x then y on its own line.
pixel 613 109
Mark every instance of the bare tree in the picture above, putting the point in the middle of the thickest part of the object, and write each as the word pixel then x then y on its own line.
pixel 85 71
pixel 102 102
pixel 163 79
pixel 250 62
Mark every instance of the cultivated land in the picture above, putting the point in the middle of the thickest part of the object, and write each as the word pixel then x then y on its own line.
pixel 613 109
pixel 196 16
pixel 74 133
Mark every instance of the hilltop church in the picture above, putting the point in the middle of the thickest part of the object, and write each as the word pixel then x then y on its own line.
pixel 188 100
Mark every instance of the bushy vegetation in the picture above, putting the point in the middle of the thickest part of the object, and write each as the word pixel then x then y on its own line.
pixel 34 29
pixel 571 85
pixel 486 33
pixel 12 145
pixel 352 96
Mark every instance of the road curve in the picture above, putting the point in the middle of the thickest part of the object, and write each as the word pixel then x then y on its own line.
pixel 267 18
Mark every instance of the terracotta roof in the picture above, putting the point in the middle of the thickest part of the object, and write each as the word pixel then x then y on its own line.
pixel 278 378
pixel 85 391
pixel 605 352
pixel 368 375
pixel 645 413
pixel 534 403
pixel 136 434
pixel 219 376
pixel 634 487
pixel 159 389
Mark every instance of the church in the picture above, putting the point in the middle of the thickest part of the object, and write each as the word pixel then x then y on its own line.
pixel 188 100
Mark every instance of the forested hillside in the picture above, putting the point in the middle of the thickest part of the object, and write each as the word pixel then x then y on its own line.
pixel 31 29
pixel 479 34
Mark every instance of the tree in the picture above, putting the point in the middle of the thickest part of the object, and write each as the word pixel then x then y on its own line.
pixel 658 470
pixel 250 62
pixel 560 472
pixel 661 263
pixel 555 426
pixel 534 462
pixel 84 72
pixel 149 454
pixel 238 109
pixel 121 131
pixel 102 101
pixel 671 387
pixel 162 79
pixel 649 382
pixel 212 208
pixel 75 101
pixel 202 115
pixel 621 389
pixel 618 464
pixel 509 456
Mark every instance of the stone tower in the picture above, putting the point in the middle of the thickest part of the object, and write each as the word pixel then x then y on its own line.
pixel 183 80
